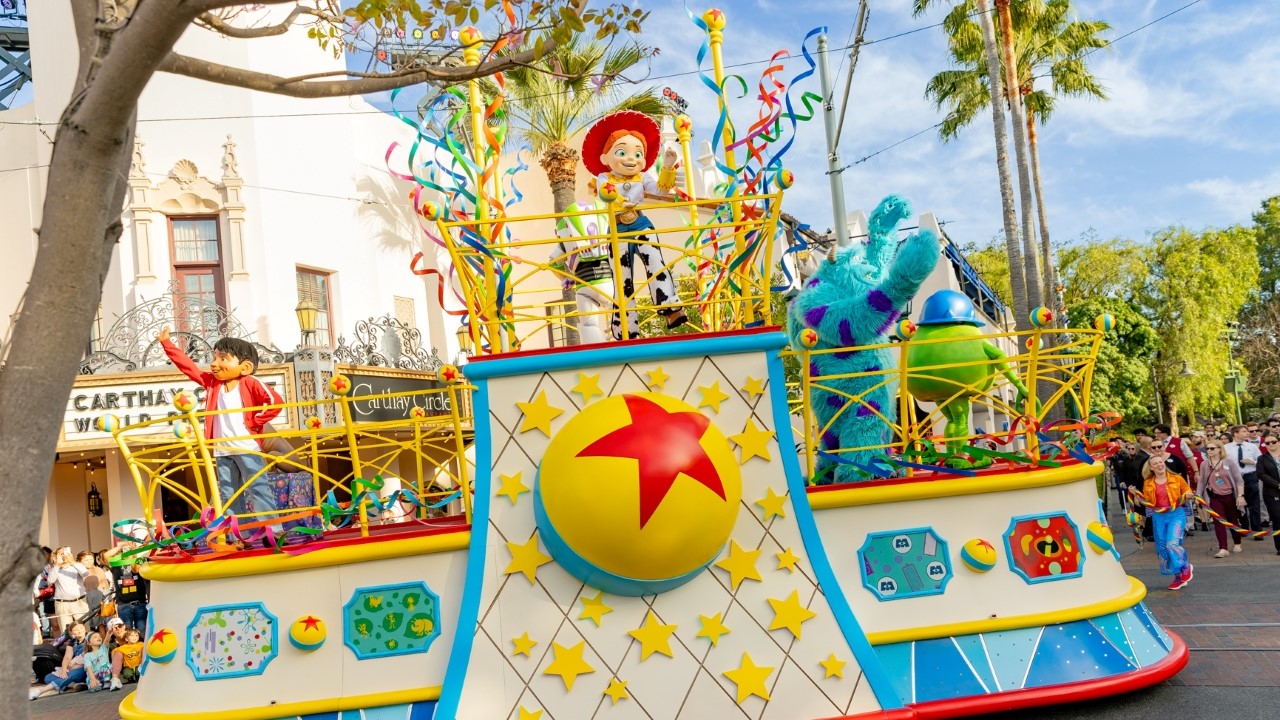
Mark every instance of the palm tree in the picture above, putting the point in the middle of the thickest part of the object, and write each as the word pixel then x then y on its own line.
pixel 558 96
pixel 1047 43
pixel 1017 278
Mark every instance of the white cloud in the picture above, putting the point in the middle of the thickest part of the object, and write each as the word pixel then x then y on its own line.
pixel 1237 197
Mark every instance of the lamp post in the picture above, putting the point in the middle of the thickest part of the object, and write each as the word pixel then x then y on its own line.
pixel 464 346
pixel 307 313
pixel 1231 381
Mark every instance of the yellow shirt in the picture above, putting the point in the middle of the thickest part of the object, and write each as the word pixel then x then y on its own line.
pixel 132 653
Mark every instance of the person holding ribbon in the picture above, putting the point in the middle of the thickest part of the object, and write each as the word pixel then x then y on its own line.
pixel 619 150
pixel 1165 493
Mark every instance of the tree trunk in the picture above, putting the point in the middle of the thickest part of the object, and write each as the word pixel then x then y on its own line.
pixel 79 230
pixel 1021 312
pixel 561 165
pixel 1030 253
pixel 1053 297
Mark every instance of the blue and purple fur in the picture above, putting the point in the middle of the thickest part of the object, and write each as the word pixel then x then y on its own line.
pixel 856 300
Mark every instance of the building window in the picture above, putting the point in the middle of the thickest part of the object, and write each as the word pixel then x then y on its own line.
pixel 313 285
pixel 95 334
pixel 197 267
pixel 406 313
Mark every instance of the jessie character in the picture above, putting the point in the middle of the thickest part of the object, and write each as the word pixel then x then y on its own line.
pixel 618 150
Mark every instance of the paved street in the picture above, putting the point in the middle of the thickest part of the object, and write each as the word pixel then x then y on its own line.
pixel 1229 616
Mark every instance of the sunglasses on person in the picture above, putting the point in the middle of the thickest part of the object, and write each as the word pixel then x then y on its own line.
pixel 1215 447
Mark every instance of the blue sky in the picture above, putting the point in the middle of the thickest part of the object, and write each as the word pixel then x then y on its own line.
pixel 1189 135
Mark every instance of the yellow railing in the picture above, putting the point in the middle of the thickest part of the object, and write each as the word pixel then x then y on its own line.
pixel 1058 376
pixel 510 274
pixel 427 454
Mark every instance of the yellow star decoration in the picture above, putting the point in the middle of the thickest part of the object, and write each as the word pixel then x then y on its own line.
pixel 568 663
pixel 741 564
pixel 594 608
pixel 512 487
pixel 538 414
pixel 657 379
pixel 526 558
pixel 834 667
pixel 790 613
pixel 530 714
pixel 754 441
pixel 772 504
pixel 654 637
pixel 753 387
pixel 524 645
pixel 712 396
pixel 712 628
pixel 787 560
pixel 588 387
pixel 749 678
pixel 617 690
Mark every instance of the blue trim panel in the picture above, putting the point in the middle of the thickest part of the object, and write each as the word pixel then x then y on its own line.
pixel 622 353
pixel 469 611
pixel 870 663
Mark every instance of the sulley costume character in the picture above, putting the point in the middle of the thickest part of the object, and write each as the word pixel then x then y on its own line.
pixel 856 298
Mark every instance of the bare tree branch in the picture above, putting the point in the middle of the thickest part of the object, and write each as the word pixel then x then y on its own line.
pixel 210 21
pixel 299 87
pixel 196 7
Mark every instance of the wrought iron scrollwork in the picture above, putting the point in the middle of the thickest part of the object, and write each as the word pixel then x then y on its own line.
pixel 387 342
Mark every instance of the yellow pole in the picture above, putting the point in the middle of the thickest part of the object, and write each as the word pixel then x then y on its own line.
pixel 810 426
pixel 147 511
pixel 684 132
pixel 459 448
pixel 357 471
pixel 471 39
pixel 715 21
pixel 417 455
pixel 1029 405
pixel 205 459
pixel 906 418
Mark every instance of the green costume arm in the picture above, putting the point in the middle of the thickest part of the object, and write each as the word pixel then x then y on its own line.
pixel 994 353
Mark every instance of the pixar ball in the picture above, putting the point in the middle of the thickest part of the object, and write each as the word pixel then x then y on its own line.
pixel 184 401
pixel 808 337
pixel 1099 537
pixel 785 179
pixel 107 423
pixel 308 633
pixel 1041 317
pixel 163 646
pixel 905 329
pixel 608 193
pixel 978 555
pixel 1104 322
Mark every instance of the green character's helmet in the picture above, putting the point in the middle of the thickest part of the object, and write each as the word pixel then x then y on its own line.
pixel 948 307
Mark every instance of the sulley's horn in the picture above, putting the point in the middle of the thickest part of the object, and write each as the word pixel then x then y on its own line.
pixel 831 255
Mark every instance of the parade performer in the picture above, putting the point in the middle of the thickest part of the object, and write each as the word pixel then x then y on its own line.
pixel 619 150
pixel 230 385
pixel 585 262
pixel 1165 493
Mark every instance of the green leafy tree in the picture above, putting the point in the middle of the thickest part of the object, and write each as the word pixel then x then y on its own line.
pixel 1094 268
pixel 119 47
pixel 1198 283
pixel 1047 42
pixel 1122 373
pixel 992 263
pixel 1258 340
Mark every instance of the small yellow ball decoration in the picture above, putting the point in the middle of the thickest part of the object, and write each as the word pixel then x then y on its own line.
pixel 905 329
pixel 449 373
pixel 184 401
pixel 1104 322
pixel 469 36
pixel 313 422
pixel 417 413
pixel 162 646
pixel 808 337
pixel 683 123
pixel 608 193
pixel 714 19
pixel 308 633
pixel 339 385
pixel 107 423
pixel 1034 343
pixel 183 431
pixel 785 179
pixel 1100 537
pixel 430 210
pixel 978 555
pixel 1041 316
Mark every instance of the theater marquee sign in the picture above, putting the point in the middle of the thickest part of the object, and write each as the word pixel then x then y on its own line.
pixel 139 397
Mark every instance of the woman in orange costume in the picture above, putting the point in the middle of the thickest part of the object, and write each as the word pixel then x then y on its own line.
pixel 1165 492
pixel 618 150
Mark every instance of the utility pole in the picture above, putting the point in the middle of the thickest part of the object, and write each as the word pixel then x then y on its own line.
pixel 858 36
pixel 1233 376
pixel 833 157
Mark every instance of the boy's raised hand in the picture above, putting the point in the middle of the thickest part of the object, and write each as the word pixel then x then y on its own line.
pixel 164 334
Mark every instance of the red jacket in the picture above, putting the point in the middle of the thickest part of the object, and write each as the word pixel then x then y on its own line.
pixel 253 393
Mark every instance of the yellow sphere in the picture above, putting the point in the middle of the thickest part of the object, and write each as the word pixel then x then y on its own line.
pixel 714 19
pixel 449 373
pixel 184 401
pixel 683 123
pixel 417 413
pixel 1099 537
pixel 339 385
pixel 905 329
pixel 430 210
pixel 608 193
pixel 313 422
pixel 182 430
pixel 637 493
pixel 469 36
pixel 1104 322
pixel 1041 316
pixel 978 555
pixel 808 337
pixel 107 423
pixel 785 179
pixel 162 646
pixel 308 633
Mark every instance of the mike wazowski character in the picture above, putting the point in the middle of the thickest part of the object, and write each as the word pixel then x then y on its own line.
pixel 586 264
pixel 949 314
pixel 855 298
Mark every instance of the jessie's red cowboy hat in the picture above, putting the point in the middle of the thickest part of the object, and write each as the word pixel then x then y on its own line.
pixel 593 144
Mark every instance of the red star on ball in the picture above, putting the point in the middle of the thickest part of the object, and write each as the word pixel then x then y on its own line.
pixel 310 623
pixel 664 445
pixel 985 545
pixel 160 635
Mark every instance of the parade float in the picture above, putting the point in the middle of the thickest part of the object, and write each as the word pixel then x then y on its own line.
pixel 731 518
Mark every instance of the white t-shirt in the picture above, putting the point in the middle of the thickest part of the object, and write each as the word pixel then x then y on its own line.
pixel 1250 452
pixel 68 581
pixel 630 190
pixel 231 425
